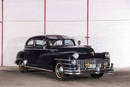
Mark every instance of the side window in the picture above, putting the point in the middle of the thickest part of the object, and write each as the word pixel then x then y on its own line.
pixel 58 43
pixel 40 43
pixel 68 43
pixel 30 43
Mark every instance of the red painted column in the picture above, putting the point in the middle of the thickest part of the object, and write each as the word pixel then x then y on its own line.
pixel 87 22
pixel 44 16
pixel 2 38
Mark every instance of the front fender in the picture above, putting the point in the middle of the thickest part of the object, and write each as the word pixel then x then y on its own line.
pixel 100 55
pixel 64 57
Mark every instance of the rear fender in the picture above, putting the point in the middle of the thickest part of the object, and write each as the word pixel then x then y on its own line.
pixel 20 57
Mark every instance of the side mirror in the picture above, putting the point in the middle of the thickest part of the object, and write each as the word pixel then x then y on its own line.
pixel 79 42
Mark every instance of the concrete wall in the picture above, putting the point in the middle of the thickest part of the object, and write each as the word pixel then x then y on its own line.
pixel 22 19
pixel 110 28
pixel 109 25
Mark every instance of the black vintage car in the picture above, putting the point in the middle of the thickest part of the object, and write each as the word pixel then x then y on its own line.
pixel 59 54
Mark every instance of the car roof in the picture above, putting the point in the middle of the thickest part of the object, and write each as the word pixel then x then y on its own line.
pixel 52 37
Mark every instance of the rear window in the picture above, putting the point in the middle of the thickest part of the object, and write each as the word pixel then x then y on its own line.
pixel 30 43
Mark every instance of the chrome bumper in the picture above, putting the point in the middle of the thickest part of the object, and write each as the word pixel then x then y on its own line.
pixel 97 70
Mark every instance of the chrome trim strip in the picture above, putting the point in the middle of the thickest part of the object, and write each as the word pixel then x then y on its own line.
pixel 53 50
pixel 75 71
pixel 67 64
pixel 70 68
pixel 63 59
pixel 39 68
pixel 35 49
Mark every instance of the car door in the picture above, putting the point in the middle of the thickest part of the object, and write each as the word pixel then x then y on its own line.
pixel 40 52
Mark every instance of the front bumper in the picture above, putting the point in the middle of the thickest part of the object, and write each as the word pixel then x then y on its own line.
pixel 98 69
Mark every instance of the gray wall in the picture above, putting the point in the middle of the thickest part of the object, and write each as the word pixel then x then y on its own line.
pixel 109 25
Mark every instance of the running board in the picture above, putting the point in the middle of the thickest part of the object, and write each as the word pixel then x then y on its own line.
pixel 39 68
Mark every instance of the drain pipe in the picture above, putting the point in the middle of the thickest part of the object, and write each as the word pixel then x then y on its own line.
pixel 2 37
pixel 87 22
pixel 44 17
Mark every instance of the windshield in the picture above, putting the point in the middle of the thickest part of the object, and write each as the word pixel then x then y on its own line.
pixel 56 42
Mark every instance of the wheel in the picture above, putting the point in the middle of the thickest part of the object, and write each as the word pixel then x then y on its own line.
pixel 59 71
pixel 21 68
pixel 97 76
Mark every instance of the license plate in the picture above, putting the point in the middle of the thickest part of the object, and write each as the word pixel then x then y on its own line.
pixel 99 65
pixel 92 66
pixel 106 64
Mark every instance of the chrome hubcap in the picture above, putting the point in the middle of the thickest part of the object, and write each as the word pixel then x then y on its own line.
pixel 60 70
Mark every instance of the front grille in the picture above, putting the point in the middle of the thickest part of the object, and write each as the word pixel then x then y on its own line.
pixel 83 62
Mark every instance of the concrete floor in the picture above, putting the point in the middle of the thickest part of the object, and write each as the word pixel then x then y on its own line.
pixel 10 77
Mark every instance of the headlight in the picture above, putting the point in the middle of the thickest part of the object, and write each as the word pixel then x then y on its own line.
pixel 73 62
pixel 76 55
pixel 107 55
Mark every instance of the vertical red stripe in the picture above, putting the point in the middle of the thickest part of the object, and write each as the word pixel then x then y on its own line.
pixel 44 16
pixel 87 22
pixel 2 38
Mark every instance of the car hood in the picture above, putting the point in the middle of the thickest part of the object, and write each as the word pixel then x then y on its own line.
pixel 78 49
pixel 84 51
